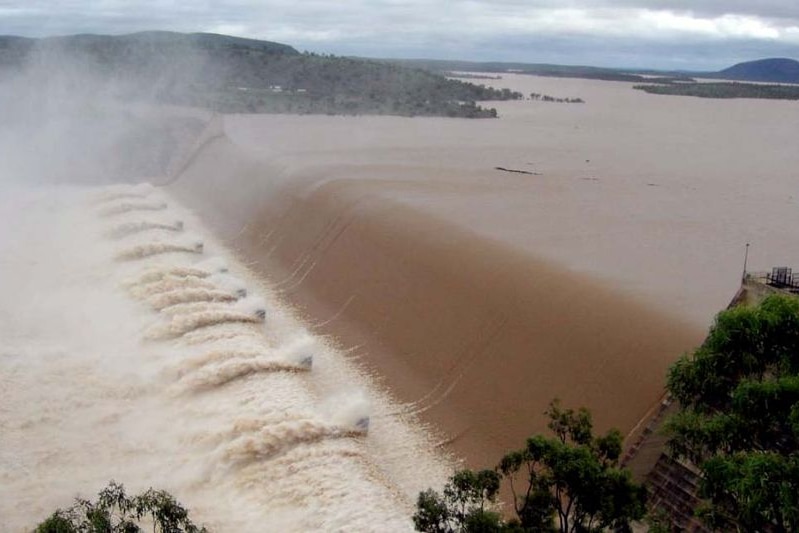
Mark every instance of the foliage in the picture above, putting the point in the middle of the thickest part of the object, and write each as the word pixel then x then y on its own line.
pixel 574 477
pixel 465 504
pixel 724 90
pixel 115 512
pixel 739 416
pixel 569 483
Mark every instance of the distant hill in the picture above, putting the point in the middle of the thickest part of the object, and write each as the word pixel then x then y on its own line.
pixel 161 39
pixel 127 50
pixel 773 70
pixel 232 74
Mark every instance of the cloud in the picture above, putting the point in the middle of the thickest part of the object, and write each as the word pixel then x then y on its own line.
pixel 479 29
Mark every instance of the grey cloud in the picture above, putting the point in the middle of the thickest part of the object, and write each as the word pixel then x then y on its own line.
pixel 771 9
pixel 604 32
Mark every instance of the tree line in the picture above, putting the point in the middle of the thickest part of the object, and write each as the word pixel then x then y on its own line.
pixel 724 90
pixel 547 98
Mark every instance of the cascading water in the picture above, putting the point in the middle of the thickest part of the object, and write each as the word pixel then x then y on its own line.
pixel 153 358
pixel 132 228
pixel 127 207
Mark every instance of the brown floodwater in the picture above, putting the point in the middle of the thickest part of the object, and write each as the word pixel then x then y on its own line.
pixel 477 295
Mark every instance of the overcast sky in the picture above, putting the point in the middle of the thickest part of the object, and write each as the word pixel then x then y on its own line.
pixel 689 34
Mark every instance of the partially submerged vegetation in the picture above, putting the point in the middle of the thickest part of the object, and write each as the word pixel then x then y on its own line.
pixel 546 98
pixel 234 75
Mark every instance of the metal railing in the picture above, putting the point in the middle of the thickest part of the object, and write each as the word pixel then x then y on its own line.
pixel 780 278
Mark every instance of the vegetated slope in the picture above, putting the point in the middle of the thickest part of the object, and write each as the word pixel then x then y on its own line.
pixel 774 70
pixel 231 74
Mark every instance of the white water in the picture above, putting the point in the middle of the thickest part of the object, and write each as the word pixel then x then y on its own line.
pixel 248 419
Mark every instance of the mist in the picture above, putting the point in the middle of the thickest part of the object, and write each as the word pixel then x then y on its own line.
pixel 137 347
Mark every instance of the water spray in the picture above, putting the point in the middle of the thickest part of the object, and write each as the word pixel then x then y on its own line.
pixel 127 207
pixel 124 192
pixel 169 284
pixel 216 375
pixel 221 333
pixel 144 251
pixel 182 324
pixel 157 274
pixel 230 283
pixel 182 296
pixel 213 265
pixel 132 228
pixel 278 438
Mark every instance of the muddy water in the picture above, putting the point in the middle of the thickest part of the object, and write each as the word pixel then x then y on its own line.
pixel 638 189
pixel 477 295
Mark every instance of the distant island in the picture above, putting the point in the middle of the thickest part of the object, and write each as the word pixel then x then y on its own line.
pixel 725 90
pixel 236 75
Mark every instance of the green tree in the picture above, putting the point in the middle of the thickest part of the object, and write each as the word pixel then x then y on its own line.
pixel 115 512
pixel 569 483
pixel 464 505
pixel 572 482
pixel 739 416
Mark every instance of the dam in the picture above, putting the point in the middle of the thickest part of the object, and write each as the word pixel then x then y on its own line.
pixel 305 313
pixel 458 346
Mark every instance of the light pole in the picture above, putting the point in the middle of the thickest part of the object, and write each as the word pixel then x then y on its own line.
pixel 746 257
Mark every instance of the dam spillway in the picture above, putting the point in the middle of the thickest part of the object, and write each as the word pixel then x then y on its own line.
pixel 238 410
pixel 470 335
pixel 388 271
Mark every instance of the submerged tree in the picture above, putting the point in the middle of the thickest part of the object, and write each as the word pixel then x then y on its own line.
pixel 115 512
pixel 739 417
pixel 567 483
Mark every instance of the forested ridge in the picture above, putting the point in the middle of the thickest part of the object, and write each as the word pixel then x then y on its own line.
pixel 230 74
